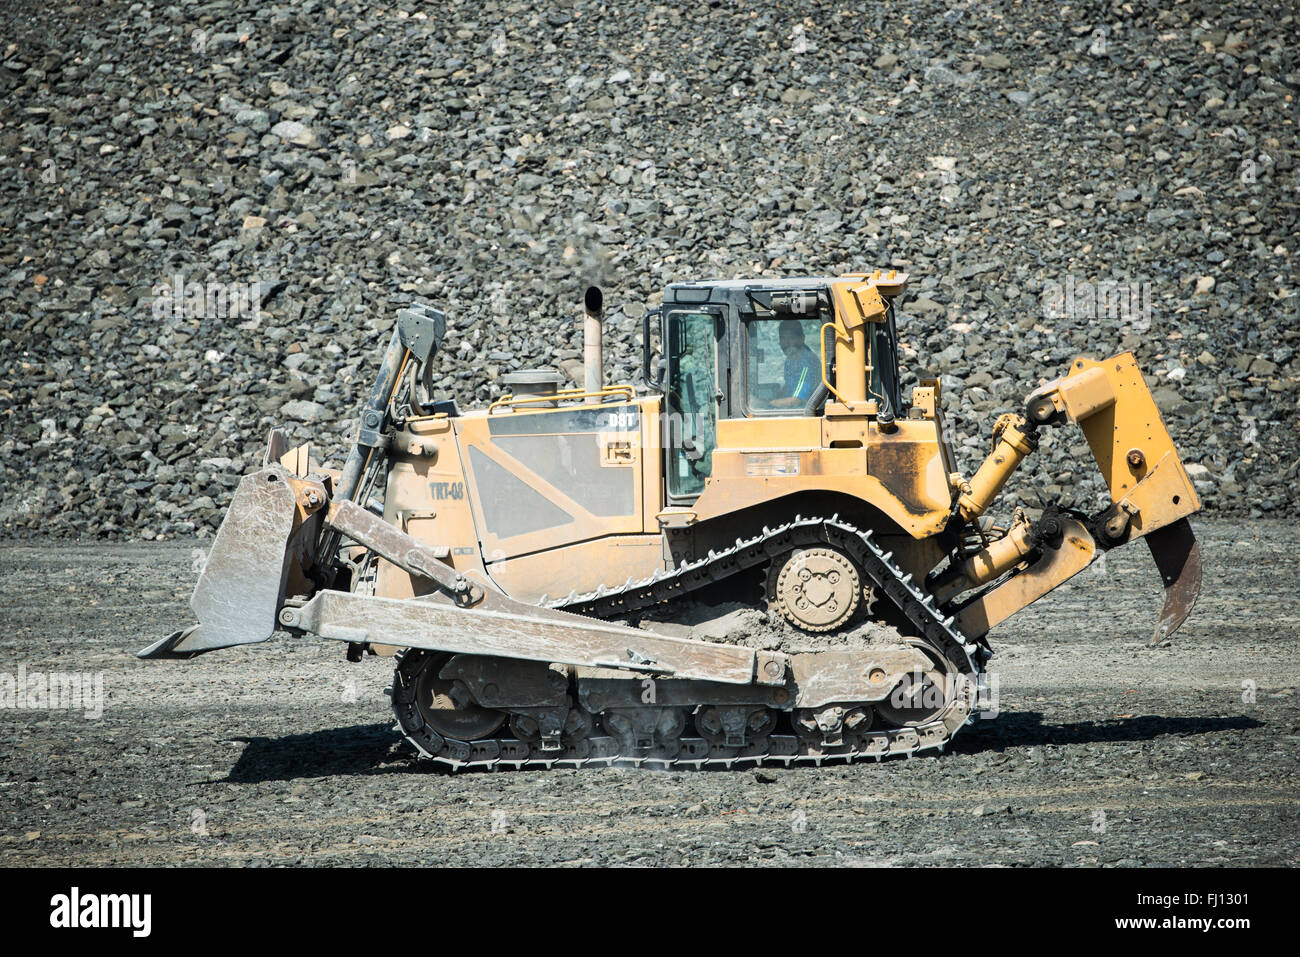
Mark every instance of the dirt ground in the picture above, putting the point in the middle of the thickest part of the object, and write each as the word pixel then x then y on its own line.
pixel 1106 751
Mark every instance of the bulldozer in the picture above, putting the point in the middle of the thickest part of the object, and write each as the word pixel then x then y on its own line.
pixel 520 562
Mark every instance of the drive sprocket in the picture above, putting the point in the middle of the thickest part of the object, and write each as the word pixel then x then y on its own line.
pixel 815 589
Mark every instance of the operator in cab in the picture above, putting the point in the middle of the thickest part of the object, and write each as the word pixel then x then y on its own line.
pixel 802 367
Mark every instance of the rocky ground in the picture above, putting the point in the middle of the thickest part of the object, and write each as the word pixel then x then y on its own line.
pixel 1107 751
pixel 161 162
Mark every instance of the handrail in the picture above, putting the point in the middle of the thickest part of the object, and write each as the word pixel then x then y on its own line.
pixel 821 336
pixel 566 394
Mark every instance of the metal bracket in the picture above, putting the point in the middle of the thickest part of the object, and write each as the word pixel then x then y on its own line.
pixel 420 329
pixel 371 431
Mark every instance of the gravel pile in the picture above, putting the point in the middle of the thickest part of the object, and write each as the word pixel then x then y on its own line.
pixel 210 213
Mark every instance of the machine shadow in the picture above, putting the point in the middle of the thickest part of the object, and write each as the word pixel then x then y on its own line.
pixel 358 749
pixel 1025 729
pixel 378 749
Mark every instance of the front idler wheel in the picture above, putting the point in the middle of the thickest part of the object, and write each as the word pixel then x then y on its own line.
pixel 423 701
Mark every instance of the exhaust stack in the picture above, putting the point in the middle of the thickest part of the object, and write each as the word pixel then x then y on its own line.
pixel 593 314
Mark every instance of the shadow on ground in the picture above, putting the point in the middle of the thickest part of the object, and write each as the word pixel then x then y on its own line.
pixel 377 749
pixel 1025 729
pixel 359 749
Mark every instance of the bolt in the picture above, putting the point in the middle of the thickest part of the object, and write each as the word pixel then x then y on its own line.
pixel 1136 459
pixel 772 669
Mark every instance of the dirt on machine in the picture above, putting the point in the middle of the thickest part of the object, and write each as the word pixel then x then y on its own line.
pixel 532 566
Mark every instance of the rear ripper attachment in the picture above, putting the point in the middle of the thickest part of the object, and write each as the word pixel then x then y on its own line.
pixel 769 451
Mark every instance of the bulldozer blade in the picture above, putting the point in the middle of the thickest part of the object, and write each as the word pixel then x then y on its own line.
pixel 1178 557
pixel 166 647
pixel 238 592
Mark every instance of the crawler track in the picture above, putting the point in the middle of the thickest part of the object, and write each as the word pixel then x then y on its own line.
pixel 960 660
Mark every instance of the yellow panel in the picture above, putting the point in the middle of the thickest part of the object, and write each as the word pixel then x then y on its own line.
pixel 1086 393
pixel 730 489
pixel 925 400
pixel 1164 495
pixel 582 567
pixel 474 435
pixel 1133 424
pixel 909 463
pixel 774 432
pixel 902 473
pixel 842 429
pixel 427 497
pixel 652 464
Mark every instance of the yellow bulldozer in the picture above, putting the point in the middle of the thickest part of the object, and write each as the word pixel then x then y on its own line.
pixel 520 561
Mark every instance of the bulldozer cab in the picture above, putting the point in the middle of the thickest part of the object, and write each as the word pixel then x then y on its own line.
pixel 735 350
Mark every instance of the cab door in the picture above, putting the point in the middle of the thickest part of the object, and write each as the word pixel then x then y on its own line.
pixel 694 392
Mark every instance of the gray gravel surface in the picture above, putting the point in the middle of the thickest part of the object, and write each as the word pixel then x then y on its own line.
pixel 492 157
pixel 1106 751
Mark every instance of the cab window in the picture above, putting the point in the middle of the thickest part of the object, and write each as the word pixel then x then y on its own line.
pixel 783 363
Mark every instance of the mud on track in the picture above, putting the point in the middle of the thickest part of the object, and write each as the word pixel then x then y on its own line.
pixel 1106 751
